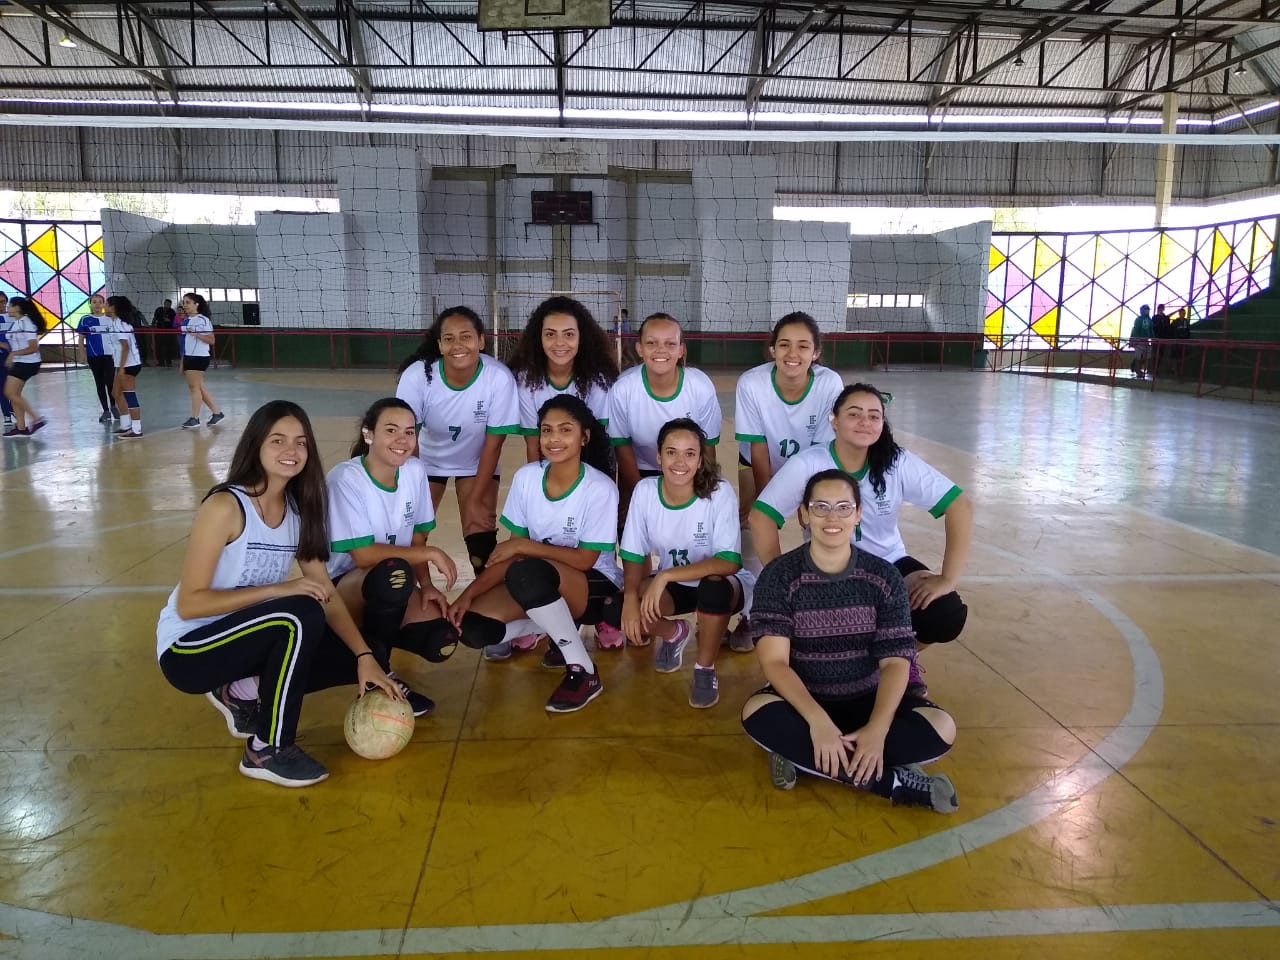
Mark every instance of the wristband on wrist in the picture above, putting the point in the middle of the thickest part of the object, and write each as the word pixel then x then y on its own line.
pixel 367 653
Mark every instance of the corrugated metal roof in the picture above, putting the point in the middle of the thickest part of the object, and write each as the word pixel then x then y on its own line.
pixel 656 66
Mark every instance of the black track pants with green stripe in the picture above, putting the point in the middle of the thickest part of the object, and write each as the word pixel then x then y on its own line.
pixel 282 642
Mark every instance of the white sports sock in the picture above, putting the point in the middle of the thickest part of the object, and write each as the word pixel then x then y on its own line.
pixel 137 425
pixel 519 628
pixel 125 421
pixel 556 621
pixel 245 688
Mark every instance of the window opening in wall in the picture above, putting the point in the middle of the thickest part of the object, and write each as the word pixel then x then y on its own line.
pixel 874 301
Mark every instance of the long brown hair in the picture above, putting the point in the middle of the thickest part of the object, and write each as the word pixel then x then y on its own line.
pixel 707 477
pixel 305 493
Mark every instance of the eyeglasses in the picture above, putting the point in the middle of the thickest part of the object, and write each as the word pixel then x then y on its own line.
pixel 844 509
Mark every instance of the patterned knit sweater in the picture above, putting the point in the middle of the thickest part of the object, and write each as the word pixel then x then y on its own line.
pixel 840 625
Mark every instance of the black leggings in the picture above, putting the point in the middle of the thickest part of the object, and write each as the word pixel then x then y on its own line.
pixel 283 642
pixel 942 620
pixel 779 728
pixel 104 373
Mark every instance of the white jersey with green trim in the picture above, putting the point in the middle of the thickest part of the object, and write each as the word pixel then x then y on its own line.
pixel 909 480
pixel 584 516
pixel 362 512
pixel 454 421
pixel 532 399
pixel 636 415
pixel 762 416
pixel 685 533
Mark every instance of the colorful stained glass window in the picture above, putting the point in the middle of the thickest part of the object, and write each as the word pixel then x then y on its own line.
pixel 1070 290
pixel 58 264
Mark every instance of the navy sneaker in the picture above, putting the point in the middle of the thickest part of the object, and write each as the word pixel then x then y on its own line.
pixel 241 715
pixel 287 766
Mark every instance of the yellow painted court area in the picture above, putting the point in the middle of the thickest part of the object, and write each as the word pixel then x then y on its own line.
pixel 1116 764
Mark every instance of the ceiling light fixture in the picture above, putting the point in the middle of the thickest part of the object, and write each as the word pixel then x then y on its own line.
pixel 1019 62
pixel 1240 70
pixel 67 42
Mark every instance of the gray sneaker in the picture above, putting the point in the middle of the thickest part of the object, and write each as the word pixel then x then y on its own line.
pixel 782 772
pixel 670 653
pixel 287 766
pixel 190 423
pixel 496 652
pixel 706 689
pixel 740 639
pixel 241 715
pixel 912 787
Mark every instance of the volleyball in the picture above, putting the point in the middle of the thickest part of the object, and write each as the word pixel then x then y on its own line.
pixel 377 726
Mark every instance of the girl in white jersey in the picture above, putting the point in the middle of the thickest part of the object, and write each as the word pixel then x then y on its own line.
pixel 26 324
pixel 780 408
pixel 557 568
pixel 647 396
pixel 688 518
pixel 128 364
pixel 889 476
pixel 465 405
pixel 197 351
pixel 379 517
pixel 236 629
pixel 562 350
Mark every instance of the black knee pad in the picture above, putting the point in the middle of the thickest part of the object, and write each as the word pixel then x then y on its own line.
pixel 715 596
pixel 433 640
pixel 942 621
pixel 533 582
pixel 479 631
pixel 388 584
pixel 479 546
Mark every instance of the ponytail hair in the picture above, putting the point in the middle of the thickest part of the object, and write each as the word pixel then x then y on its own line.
pixel 883 454
pixel 202 305
pixel 429 349
pixel 596 452
pixel 123 307
pixel 370 421
pixel 707 477
pixel 28 309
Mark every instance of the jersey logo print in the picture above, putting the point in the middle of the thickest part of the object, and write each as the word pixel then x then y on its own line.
pixel 481 415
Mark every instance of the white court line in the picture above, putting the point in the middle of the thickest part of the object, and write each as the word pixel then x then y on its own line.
pixel 74 589
pixel 49 937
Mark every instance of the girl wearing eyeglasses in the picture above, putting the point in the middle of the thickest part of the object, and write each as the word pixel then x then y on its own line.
pixel 888 476
pixel 833 632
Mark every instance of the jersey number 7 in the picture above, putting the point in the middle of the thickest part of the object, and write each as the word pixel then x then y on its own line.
pixel 454 431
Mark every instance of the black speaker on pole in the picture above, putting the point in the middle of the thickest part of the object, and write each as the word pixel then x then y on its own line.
pixel 251 314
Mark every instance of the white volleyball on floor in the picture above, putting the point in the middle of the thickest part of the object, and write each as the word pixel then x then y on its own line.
pixel 377 726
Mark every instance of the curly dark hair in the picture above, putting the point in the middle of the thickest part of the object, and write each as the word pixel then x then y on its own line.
pixel 883 454
pixel 597 452
pixel 594 363
pixel 429 349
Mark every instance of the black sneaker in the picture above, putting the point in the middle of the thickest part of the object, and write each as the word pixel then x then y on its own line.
pixel 553 659
pixel 576 690
pixel 287 766
pixel 420 703
pixel 217 418
pixel 241 715
pixel 105 418
pixel 912 787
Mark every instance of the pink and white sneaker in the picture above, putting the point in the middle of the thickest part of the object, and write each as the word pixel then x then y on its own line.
pixel 527 641
pixel 609 638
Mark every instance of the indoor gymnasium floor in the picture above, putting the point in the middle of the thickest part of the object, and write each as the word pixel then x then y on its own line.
pixel 1115 693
